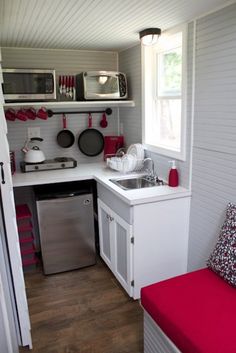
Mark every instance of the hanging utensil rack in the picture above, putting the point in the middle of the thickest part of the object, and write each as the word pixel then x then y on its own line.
pixel 108 111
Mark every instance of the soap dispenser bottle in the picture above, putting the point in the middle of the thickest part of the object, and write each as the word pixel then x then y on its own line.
pixel 173 175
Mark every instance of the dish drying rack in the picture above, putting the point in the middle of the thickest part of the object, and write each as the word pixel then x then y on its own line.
pixel 124 162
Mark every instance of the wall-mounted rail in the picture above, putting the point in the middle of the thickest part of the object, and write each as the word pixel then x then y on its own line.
pixel 50 112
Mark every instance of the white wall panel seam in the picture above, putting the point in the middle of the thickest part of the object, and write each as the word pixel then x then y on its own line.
pixel 192 104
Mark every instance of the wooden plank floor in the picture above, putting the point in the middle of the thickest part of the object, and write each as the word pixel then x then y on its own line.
pixel 82 311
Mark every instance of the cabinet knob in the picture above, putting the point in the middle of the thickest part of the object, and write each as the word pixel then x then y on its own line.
pixel 110 218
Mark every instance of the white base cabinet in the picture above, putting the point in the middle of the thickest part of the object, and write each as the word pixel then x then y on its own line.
pixel 152 247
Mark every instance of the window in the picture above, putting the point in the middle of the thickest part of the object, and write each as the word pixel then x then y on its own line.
pixel 164 75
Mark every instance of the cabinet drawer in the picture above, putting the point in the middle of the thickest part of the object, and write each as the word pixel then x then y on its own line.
pixel 115 203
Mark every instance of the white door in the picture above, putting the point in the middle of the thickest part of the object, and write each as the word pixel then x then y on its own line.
pixel 123 250
pixel 104 222
pixel 5 332
pixel 6 190
pixel 8 330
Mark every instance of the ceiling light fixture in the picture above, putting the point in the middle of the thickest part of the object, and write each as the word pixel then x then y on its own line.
pixel 149 36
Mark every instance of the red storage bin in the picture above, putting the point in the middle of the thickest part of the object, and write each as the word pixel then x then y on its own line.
pixel 111 145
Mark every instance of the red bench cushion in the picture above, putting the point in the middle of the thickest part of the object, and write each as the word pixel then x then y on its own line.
pixel 197 311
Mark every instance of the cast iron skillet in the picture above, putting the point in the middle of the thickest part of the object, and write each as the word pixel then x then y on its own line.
pixel 91 141
pixel 65 138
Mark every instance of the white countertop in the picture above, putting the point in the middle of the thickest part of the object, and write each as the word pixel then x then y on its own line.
pixel 101 174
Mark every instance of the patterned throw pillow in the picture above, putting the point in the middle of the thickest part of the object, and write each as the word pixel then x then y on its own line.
pixel 223 258
pixel 231 214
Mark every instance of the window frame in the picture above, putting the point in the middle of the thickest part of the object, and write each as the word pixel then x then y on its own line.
pixel 149 86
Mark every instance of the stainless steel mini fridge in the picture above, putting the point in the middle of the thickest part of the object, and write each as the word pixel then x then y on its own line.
pixel 66 227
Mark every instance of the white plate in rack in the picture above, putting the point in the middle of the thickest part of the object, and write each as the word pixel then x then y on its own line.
pixel 137 151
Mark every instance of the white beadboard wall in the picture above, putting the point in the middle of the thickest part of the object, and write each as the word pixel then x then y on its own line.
pixel 131 119
pixel 64 62
pixel 130 62
pixel 17 134
pixel 214 147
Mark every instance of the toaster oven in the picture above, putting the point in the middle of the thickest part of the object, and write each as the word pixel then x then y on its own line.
pixel 101 85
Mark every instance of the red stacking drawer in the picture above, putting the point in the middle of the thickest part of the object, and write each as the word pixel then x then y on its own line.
pixel 23 212
pixel 26 236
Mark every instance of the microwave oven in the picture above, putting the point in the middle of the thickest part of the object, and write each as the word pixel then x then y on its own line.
pixel 29 85
pixel 101 85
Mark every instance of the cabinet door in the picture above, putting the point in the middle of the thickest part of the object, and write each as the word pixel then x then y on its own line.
pixel 116 248
pixel 123 253
pixel 104 222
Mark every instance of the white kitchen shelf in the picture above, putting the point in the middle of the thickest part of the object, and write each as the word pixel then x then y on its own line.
pixel 72 105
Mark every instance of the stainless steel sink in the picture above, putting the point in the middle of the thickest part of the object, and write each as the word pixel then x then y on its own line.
pixel 136 183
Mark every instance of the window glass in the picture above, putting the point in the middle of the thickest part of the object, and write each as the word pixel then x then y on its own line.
pixel 164 120
pixel 169 72
pixel 169 113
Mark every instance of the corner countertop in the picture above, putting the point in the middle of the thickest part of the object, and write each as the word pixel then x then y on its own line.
pixel 101 174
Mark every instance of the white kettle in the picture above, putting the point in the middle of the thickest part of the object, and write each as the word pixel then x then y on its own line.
pixel 34 154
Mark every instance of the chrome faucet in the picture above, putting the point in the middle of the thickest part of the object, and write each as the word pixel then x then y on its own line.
pixel 151 174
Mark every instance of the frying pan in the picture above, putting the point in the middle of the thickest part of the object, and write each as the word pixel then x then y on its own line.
pixel 91 141
pixel 65 138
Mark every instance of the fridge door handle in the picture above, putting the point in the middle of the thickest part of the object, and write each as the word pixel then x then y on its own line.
pixel 64 196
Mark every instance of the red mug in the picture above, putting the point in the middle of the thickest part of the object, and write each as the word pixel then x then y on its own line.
pixel 10 114
pixel 42 113
pixel 21 115
pixel 31 113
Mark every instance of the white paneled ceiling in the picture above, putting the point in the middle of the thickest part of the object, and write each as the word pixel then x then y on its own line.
pixel 91 24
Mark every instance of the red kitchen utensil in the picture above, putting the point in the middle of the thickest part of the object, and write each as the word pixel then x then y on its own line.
pixel 90 121
pixel 73 87
pixel 70 87
pixel 10 114
pixel 65 138
pixel 67 86
pixel 103 122
pixel 60 84
pixel 63 85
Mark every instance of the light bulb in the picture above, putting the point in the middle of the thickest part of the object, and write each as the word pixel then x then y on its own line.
pixel 102 80
pixel 150 39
